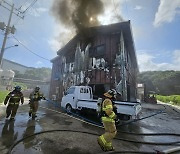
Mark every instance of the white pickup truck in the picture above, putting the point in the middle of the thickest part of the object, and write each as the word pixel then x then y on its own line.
pixel 81 98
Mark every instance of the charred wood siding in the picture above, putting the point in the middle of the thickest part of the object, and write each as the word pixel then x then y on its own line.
pixel 104 45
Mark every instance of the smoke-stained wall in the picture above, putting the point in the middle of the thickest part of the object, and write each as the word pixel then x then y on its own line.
pixel 104 62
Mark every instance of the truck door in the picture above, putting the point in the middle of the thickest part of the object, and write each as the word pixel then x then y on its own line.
pixel 70 96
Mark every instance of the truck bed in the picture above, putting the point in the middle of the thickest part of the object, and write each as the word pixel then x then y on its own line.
pixel 128 108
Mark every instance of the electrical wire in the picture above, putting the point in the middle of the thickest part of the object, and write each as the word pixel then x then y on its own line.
pixel 29 49
pixel 23 12
pixel 25 2
pixel 18 12
pixel 29 6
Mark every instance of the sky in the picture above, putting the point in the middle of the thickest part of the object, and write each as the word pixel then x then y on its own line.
pixel 155 26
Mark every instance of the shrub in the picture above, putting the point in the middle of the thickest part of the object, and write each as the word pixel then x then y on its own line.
pixel 3 94
pixel 175 99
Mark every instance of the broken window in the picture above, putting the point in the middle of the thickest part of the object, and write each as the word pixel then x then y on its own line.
pixel 97 52
pixel 100 51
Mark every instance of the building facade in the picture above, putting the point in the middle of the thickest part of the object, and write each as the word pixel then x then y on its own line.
pixel 102 57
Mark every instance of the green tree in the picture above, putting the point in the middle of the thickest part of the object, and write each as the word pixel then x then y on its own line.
pixel 163 82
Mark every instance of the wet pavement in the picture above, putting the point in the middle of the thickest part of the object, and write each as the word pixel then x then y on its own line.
pixel 64 140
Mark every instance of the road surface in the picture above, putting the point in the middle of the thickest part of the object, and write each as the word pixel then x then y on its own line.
pixel 65 140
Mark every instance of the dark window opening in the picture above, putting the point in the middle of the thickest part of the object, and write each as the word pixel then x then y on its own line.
pixel 100 51
pixel 97 52
pixel 98 90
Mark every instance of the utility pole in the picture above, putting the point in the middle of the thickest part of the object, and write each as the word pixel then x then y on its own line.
pixel 8 28
pixel 5 36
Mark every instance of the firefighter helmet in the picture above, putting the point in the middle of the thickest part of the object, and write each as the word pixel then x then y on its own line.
pixel 37 88
pixel 17 88
pixel 111 93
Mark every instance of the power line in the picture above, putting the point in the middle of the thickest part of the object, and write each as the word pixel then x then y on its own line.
pixel 19 9
pixel 25 2
pixel 29 6
pixel 29 49
pixel 24 12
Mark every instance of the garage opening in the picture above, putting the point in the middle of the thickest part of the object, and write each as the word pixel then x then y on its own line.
pixel 98 90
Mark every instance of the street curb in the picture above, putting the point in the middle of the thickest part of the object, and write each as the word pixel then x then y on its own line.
pixel 175 106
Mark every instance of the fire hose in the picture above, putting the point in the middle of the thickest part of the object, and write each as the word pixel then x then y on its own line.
pixel 177 143
pixel 84 132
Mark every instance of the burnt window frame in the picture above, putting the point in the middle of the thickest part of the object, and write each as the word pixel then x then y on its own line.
pixel 94 53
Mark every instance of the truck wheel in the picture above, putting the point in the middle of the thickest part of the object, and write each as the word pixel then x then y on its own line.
pixel 68 108
pixel 124 117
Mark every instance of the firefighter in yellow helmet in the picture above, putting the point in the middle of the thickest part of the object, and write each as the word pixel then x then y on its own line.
pixel 14 98
pixel 108 119
pixel 35 97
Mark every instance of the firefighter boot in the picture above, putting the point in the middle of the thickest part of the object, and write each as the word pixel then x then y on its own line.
pixel 12 119
pixel 34 116
pixel 109 147
pixel 102 143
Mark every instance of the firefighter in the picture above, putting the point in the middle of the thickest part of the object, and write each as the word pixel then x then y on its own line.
pixel 35 97
pixel 14 99
pixel 108 118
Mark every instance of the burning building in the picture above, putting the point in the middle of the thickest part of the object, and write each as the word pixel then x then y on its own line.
pixel 102 57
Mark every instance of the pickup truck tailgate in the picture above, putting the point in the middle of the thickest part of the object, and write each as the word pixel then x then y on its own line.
pixel 132 109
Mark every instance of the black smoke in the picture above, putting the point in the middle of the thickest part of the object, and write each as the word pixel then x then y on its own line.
pixel 79 14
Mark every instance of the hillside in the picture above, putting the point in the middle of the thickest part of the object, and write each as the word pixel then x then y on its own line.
pixel 162 82
pixel 43 74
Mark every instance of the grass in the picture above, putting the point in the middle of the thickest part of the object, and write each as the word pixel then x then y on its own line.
pixel 172 99
pixel 3 94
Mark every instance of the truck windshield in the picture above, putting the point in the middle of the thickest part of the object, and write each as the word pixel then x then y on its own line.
pixel 71 90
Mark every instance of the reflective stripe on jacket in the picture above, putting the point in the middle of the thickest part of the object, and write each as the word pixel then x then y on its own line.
pixel 107 119
pixel 35 96
pixel 107 107
pixel 14 98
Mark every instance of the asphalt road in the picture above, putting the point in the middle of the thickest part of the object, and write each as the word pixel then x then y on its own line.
pixel 64 140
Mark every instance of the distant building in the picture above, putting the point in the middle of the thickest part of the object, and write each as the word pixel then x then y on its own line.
pixel 10 65
pixel 6 79
pixel 103 57
pixel 141 91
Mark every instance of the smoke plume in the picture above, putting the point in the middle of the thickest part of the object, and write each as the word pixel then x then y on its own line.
pixel 78 14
